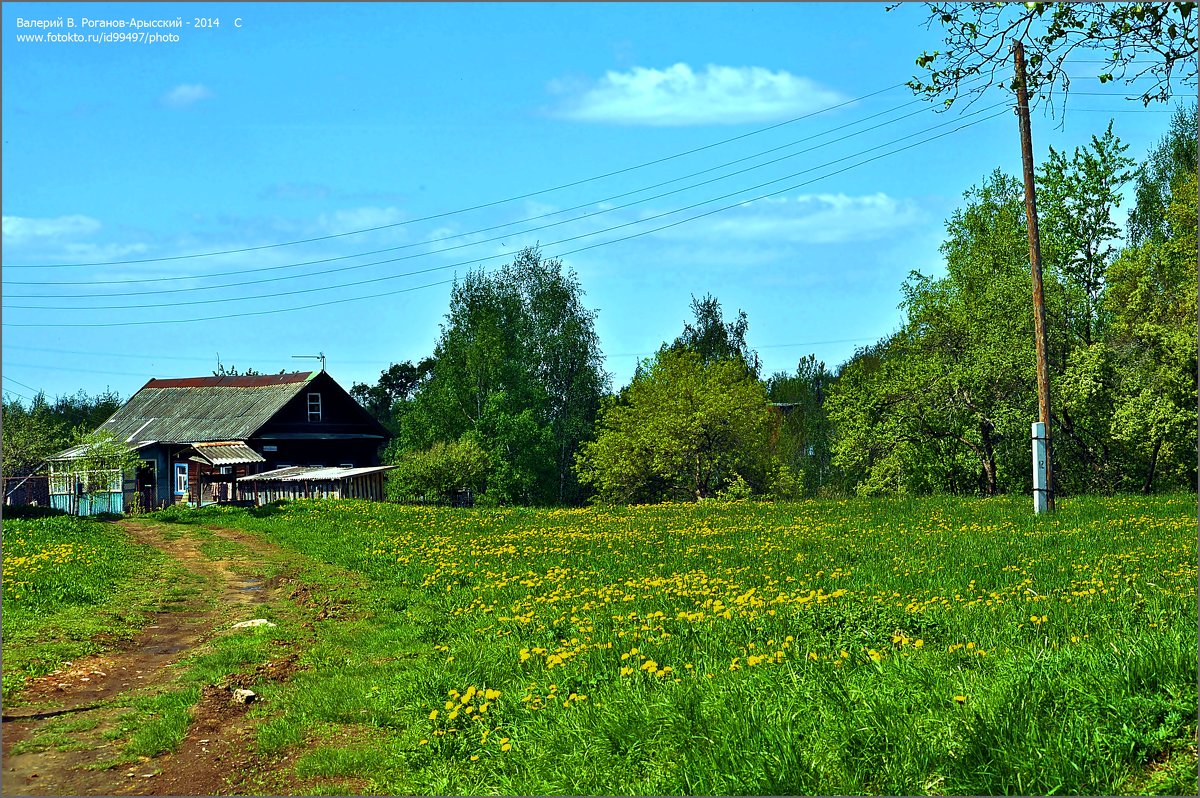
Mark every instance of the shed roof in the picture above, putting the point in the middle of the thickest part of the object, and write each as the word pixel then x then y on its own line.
pixel 301 473
pixel 204 408
pixel 228 453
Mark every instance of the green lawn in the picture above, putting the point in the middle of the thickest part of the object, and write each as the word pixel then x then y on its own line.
pixel 928 646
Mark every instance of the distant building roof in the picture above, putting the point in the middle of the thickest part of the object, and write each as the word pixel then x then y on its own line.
pixel 196 409
pixel 80 450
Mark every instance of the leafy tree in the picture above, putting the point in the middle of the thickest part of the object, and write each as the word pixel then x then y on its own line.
pixel 712 338
pixel 103 460
pixel 684 429
pixel 83 412
pixel 1152 299
pixel 388 398
pixel 47 427
pixel 30 435
pixel 805 433
pixel 1173 160
pixel 1076 200
pixel 945 403
pixel 1151 40
pixel 518 364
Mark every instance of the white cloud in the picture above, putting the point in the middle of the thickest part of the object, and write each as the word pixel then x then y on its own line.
pixel 679 96
pixel 808 219
pixel 355 219
pixel 19 229
pixel 186 94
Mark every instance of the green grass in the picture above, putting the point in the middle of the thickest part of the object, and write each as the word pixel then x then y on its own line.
pixel 73 585
pixel 855 647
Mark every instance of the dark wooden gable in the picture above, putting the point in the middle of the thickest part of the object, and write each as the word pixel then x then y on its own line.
pixel 340 413
pixel 346 434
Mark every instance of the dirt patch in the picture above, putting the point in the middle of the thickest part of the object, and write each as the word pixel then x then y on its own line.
pixel 214 754
pixel 214 757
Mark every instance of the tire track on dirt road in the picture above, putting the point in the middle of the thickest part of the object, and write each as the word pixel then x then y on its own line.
pixel 90 689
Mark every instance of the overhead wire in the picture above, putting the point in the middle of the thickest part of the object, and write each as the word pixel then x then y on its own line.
pixel 480 206
pixel 386 278
pixel 23 385
pixel 478 260
pixel 243 283
pixel 241 272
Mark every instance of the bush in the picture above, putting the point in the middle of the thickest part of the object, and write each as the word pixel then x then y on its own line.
pixel 439 473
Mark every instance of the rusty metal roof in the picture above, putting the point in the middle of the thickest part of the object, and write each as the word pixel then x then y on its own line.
pixel 204 408
pixel 239 381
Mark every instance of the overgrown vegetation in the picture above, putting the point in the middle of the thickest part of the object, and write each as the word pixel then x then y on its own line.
pixel 44 427
pixel 834 647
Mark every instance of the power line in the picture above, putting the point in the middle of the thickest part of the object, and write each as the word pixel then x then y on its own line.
pixel 242 272
pixel 472 208
pixel 386 278
pixel 141 355
pixel 358 362
pixel 93 371
pixel 23 385
pixel 765 346
pixel 558 255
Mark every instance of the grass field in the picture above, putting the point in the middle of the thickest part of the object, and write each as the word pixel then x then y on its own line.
pixel 70 586
pixel 858 647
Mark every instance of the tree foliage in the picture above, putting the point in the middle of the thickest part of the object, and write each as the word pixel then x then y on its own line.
pixel 713 338
pixel 685 429
pixel 45 427
pixel 1077 199
pixel 1154 41
pixel 1152 298
pixel 440 474
pixel 518 366
pixel 805 438
pixel 1172 161
pixel 103 460
pixel 389 397
pixel 945 403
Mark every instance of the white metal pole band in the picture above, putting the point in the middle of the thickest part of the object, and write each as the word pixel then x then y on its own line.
pixel 1041 492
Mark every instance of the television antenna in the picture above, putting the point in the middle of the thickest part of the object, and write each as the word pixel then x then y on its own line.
pixel 319 356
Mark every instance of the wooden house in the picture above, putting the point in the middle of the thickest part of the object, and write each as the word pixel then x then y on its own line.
pixel 198 436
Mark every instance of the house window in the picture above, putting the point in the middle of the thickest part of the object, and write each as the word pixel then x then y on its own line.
pixel 61 482
pixel 314 407
pixel 181 479
pixel 102 481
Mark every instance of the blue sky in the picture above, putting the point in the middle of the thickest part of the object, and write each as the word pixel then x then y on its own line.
pixel 319 121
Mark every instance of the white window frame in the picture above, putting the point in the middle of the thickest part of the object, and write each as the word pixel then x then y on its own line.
pixel 181 470
pixel 314 408
pixel 61 482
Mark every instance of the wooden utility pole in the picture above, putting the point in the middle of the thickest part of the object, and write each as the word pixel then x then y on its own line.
pixel 1035 262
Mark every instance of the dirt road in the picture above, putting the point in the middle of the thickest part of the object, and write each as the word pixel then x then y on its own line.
pixel 59 738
